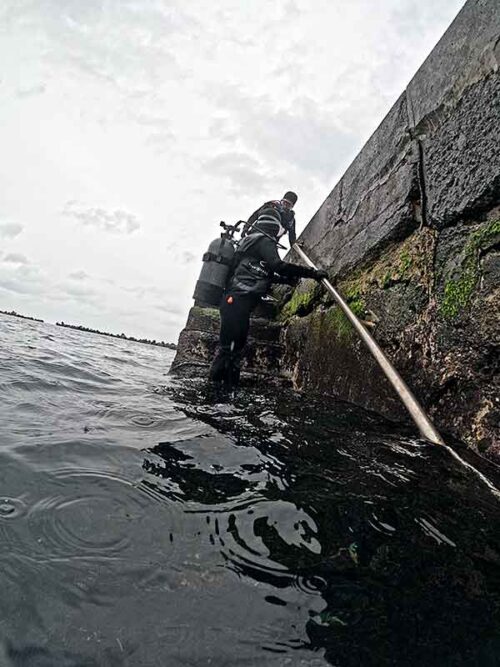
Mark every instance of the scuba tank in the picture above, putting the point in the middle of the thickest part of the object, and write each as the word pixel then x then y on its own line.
pixel 217 265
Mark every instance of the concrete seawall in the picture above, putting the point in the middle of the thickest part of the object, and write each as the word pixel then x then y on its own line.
pixel 411 236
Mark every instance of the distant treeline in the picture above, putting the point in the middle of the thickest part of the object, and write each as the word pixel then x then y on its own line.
pixel 24 317
pixel 147 341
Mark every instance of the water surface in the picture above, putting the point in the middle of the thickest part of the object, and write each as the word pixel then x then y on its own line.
pixel 147 521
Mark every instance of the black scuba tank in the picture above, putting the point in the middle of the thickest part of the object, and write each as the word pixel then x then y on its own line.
pixel 217 264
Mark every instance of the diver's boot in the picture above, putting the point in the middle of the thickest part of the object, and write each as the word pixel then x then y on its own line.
pixel 218 369
pixel 233 370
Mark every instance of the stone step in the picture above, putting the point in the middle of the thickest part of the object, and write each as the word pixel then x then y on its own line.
pixel 198 343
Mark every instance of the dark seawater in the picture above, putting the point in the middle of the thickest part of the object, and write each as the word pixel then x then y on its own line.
pixel 152 522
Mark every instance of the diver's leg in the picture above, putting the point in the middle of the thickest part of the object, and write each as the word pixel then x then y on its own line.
pixel 218 366
pixel 229 327
pixel 235 321
pixel 243 307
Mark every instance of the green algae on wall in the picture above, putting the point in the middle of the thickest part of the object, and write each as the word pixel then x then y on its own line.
pixel 300 302
pixel 207 312
pixel 408 261
pixel 331 321
pixel 336 319
pixel 338 323
pixel 458 292
pixel 303 303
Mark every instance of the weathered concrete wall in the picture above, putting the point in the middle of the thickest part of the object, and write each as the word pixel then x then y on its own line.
pixel 411 235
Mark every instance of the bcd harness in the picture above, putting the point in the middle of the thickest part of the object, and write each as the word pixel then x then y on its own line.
pixel 250 276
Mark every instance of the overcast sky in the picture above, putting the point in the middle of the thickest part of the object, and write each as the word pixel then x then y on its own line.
pixel 130 128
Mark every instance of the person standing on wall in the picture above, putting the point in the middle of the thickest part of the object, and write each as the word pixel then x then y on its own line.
pixel 285 208
pixel 256 267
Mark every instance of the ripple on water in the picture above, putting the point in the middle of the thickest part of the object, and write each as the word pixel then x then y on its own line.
pixel 258 542
pixel 89 515
pixel 74 527
pixel 223 480
pixel 11 508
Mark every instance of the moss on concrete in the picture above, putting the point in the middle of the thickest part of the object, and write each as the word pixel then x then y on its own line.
pixel 207 312
pixel 333 321
pixel 410 260
pixel 458 291
pixel 338 324
pixel 300 303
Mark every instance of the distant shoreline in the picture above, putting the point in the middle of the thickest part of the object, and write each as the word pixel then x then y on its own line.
pixel 122 336
pixel 13 313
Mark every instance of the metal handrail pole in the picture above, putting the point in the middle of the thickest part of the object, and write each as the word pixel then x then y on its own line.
pixel 417 413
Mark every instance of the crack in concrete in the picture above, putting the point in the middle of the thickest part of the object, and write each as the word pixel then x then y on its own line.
pixel 422 177
pixel 380 182
pixel 395 210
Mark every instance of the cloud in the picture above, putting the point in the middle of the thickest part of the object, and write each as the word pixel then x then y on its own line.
pixel 21 278
pixel 138 291
pixel 80 291
pixel 161 142
pixel 9 230
pixel 15 258
pixel 303 135
pixel 171 309
pixel 114 222
pixel 241 169
pixel 222 129
pixel 414 17
pixel 143 291
pixel 188 257
pixel 160 299
pixel 122 43
pixel 292 12
pixel 150 120
pixel 14 284
pixel 79 275
pixel 30 91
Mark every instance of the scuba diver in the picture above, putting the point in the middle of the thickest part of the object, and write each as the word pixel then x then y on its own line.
pixel 256 265
pixel 285 207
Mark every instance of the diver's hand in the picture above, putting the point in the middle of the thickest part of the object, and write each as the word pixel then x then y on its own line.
pixel 320 275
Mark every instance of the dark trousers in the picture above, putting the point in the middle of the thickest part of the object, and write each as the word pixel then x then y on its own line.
pixel 235 314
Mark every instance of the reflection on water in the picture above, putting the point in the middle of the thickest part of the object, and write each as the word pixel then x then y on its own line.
pixel 151 522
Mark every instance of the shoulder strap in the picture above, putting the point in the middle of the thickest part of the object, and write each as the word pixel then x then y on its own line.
pixel 271 238
pixel 249 241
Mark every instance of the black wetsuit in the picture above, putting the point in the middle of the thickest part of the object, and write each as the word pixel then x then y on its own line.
pixel 257 266
pixel 287 219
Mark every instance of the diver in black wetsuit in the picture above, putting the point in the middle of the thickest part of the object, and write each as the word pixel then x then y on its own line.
pixel 256 266
pixel 285 208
